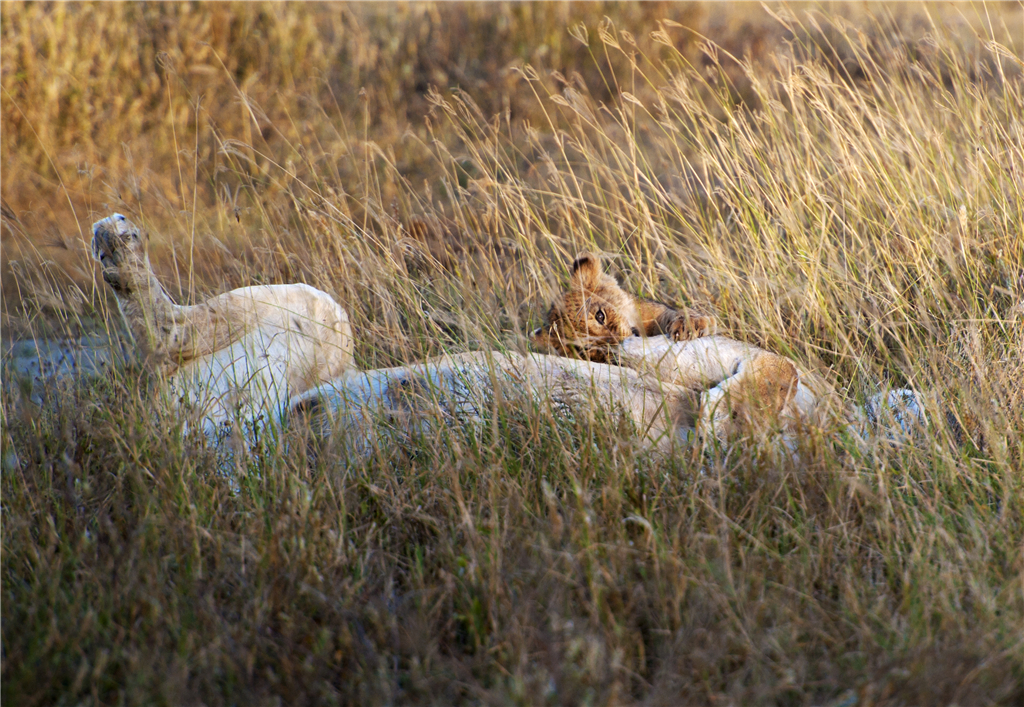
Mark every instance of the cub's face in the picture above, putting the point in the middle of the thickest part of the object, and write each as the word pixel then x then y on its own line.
pixel 591 318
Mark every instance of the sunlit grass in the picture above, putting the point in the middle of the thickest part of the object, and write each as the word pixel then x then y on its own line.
pixel 845 191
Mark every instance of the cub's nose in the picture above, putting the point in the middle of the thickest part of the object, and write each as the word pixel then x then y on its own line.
pixel 636 332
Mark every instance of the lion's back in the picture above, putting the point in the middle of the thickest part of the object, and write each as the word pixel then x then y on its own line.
pixel 304 329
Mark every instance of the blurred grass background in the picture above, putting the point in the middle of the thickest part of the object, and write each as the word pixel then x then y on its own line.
pixel 841 183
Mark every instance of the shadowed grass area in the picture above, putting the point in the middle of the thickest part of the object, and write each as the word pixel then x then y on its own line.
pixel 842 185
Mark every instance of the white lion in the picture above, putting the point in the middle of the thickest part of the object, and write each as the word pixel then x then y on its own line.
pixel 365 409
pixel 672 392
pixel 258 354
pixel 709 388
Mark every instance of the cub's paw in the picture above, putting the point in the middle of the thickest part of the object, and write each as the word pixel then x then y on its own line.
pixel 689 325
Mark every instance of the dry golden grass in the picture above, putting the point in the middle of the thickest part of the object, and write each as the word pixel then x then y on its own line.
pixel 841 184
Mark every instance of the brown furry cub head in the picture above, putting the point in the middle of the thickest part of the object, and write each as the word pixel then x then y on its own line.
pixel 594 315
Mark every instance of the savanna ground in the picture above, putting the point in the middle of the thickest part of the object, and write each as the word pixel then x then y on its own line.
pixel 842 184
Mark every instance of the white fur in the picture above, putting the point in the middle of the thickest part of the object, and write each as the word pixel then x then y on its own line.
pixel 240 355
pixel 363 407
pixel 669 390
pixel 299 338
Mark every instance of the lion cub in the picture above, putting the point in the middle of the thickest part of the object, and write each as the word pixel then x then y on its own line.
pixel 596 314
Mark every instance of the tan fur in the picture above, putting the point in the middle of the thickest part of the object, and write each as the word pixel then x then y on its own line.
pixel 248 349
pixel 753 398
pixel 595 314
pixel 743 389
pixel 740 386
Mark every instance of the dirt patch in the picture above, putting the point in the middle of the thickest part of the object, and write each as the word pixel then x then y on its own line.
pixel 44 362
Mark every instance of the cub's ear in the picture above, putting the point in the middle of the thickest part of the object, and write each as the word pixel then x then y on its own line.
pixel 586 269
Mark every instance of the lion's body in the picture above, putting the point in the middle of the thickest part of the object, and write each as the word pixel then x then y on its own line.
pixel 595 314
pixel 246 351
pixel 458 391
pixel 671 392
pixel 287 341
pixel 740 386
pixel 298 325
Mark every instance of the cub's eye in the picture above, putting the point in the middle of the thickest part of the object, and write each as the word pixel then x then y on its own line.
pixel 599 316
